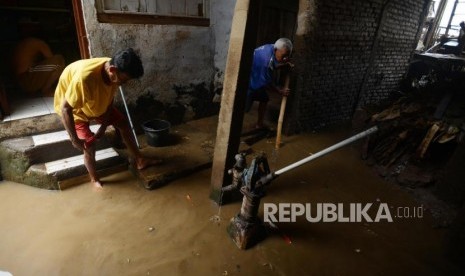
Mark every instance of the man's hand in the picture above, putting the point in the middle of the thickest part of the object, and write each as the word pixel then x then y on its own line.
pixel 78 143
pixel 287 63
pixel 100 131
pixel 290 64
pixel 284 91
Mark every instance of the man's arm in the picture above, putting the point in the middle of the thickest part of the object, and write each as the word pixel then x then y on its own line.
pixel 283 91
pixel 105 122
pixel 68 122
pixel 284 68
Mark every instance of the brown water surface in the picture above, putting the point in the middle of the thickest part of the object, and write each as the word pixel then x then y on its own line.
pixel 127 230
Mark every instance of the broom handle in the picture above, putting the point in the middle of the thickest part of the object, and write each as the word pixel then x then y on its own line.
pixel 281 114
pixel 129 117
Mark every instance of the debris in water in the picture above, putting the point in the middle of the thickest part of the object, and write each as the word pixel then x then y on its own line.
pixel 215 218
pixel 358 250
pixel 225 272
pixel 189 198
pixel 287 239
pixel 128 260
pixel 268 265
pixel 151 229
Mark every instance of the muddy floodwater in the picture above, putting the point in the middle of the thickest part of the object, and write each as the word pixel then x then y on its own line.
pixel 128 230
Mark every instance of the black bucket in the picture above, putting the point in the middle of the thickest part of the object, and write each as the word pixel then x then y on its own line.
pixel 157 132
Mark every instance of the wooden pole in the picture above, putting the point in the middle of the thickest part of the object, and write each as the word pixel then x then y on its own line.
pixel 281 114
pixel 242 40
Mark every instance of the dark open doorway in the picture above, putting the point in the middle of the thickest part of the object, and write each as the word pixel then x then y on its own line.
pixel 49 20
pixel 276 19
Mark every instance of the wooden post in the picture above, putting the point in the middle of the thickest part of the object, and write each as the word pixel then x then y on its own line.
pixel 236 80
pixel 281 114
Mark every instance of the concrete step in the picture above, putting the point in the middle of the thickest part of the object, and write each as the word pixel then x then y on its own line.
pixel 49 160
pixel 52 146
pixel 63 173
pixel 30 126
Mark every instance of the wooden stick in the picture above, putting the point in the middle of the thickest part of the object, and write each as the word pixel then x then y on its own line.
pixel 281 114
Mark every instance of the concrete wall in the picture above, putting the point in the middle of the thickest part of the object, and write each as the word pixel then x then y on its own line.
pixel 178 61
pixel 221 17
pixel 350 53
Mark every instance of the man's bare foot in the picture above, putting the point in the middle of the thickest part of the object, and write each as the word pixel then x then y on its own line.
pixel 97 184
pixel 142 163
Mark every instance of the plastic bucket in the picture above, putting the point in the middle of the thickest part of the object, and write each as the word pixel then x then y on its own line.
pixel 156 132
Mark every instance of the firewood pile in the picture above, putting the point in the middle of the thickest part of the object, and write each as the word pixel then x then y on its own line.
pixel 418 133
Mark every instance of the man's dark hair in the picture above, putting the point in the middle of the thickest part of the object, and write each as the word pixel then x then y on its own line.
pixel 128 61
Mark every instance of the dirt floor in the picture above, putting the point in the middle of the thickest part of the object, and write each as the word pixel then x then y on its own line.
pixel 128 230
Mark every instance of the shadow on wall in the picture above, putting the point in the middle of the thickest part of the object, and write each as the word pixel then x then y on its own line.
pixel 193 101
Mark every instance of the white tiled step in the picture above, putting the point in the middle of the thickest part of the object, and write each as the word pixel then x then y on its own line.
pixel 50 138
pixel 75 161
pixel 21 109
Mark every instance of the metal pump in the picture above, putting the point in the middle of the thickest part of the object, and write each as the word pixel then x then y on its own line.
pixel 246 228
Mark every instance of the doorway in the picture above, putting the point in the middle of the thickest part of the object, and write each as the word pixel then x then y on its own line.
pixel 49 20
pixel 276 19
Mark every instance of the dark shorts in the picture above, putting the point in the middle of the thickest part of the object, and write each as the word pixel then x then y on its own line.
pixel 260 95
pixel 83 130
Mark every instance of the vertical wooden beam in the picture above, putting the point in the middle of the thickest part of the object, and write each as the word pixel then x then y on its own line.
pixel 80 29
pixel 241 45
pixel 429 40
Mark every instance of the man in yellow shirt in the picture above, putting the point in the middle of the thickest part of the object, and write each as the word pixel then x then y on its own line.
pixel 85 93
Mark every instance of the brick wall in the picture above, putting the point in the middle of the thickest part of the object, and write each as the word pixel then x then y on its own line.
pixel 356 53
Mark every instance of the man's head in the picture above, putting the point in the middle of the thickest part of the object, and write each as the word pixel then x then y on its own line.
pixel 282 49
pixel 126 65
pixel 462 24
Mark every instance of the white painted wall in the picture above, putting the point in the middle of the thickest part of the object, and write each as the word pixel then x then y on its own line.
pixel 172 55
pixel 221 18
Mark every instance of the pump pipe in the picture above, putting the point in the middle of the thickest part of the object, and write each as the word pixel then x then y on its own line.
pixel 327 150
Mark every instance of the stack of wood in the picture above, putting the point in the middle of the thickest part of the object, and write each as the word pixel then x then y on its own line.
pixel 413 143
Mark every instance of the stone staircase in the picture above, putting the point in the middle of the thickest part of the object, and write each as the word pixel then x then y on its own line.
pixel 49 161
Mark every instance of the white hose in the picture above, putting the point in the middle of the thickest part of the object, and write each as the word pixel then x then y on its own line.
pixel 327 150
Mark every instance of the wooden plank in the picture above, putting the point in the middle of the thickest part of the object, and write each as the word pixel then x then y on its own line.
pixel 191 150
pixel 127 18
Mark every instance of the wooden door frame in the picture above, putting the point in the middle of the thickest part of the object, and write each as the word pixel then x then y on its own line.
pixel 80 29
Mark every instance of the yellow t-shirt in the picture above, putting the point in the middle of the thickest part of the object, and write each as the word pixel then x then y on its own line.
pixel 81 85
